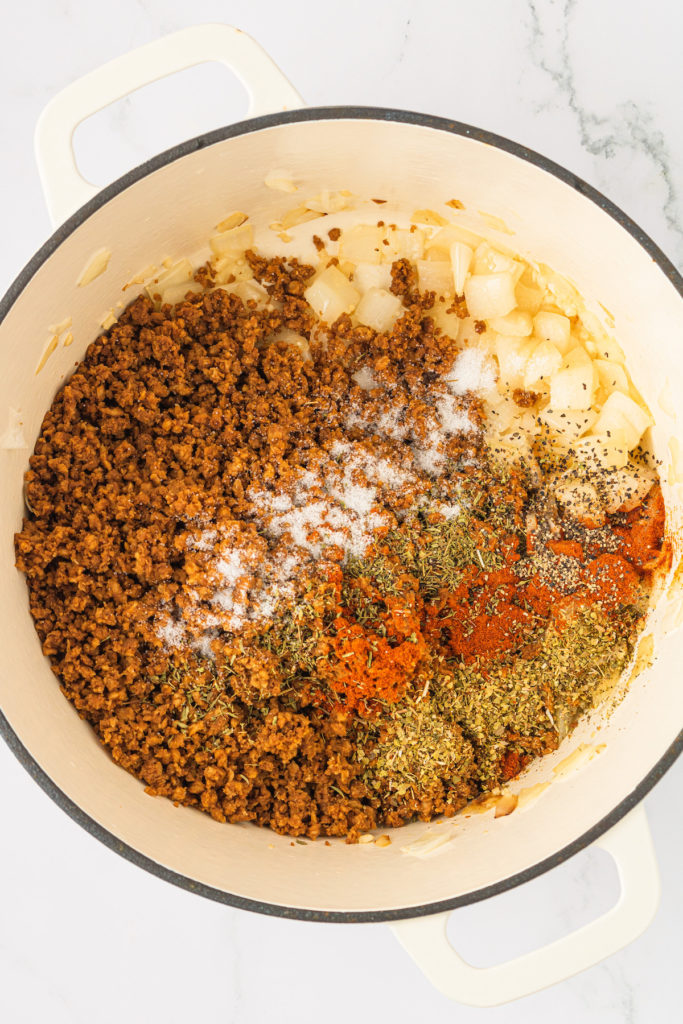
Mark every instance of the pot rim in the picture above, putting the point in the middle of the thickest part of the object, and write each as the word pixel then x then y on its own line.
pixel 62 233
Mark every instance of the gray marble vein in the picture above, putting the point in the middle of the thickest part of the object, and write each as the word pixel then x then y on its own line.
pixel 629 127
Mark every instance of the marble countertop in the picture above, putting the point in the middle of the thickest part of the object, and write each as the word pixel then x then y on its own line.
pixel 85 937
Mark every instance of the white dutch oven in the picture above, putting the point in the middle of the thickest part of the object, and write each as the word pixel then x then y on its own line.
pixel 168 208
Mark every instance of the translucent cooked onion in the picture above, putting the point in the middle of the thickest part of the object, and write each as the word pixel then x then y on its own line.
pixel 513 355
pixel 555 328
pixel 379 309
pixel 573 385
pixel 232 242
pixel 372 275
pixel 625 489
pixel 461 261
pixel 542 363
pixel 518 323
pixel 569 425
pixel 612 376
pixel 361 244
pixel 435 276
pixel 620 413
pixel 332 294
pixel 490 295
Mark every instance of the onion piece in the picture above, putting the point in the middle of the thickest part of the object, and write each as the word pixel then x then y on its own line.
pixel 568 424
pixel 625 489
pixel 331 202
pixel 573 385
pixel 542 363
pixel 517 323
pixel 489 295
pixel 362 244
pixel 405 244
pixel 612 376
pixel 579 498
pixel 379 309
pixel 297 341
pixel 372 275
pixel 461 261
pixel 621 414
pixel 513 355
pixel 505 805
pixel 445 237
pixel 554 327
pixel 232 242
pixel 601 452
pixel 488 260
pixel 528 298
pixel 249 291
pixel 448 323
pixel 435 276
pixel 331 294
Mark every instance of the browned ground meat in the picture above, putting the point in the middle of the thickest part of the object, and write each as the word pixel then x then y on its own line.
pixel 174 414
pixel 183 416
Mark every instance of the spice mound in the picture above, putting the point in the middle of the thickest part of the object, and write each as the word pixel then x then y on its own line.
pixel 293 572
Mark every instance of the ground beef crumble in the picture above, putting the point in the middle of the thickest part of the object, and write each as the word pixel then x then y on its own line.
pixel 173 415
pixel 193 422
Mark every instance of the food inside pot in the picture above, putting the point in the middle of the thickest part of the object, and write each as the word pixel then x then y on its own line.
pixel 330 547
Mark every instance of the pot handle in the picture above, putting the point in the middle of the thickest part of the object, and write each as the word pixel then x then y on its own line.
pixel 630 844
pixel 64 187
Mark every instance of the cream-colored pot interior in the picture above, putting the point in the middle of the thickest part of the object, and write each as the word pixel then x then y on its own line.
pixel 171 212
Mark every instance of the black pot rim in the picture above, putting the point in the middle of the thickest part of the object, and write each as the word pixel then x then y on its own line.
pixel 13 293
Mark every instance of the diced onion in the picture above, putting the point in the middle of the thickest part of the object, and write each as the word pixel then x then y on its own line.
pixel 602 452
pixel 174 284
pixel 573 385
pixel 445 237
pixel 554 327
pixel 543 361
pixel 620 414
pixel 332 294
pixel 513 355
pixel 612 376
pixel 330 202
pixel 528 298
pixel 489 295
pixel 297 341
pixel 435 276
pixel 488 260
pixel 362 244
pixel 378 309
pixel 372 275
pixel 249 291
pixel 568 424
pixel 405 244
pixel 461 261
pixel 517 323
pixel 625 489
pixel 579 497
pixel 469 335
pixel 232 242
pixel 448 323
pixel 232 269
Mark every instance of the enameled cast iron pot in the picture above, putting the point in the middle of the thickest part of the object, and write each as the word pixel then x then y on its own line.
pixel 168 207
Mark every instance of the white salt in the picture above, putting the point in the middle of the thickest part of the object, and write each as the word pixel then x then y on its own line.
pixel 452 419
pixel 473 371
pixel 365 378
pixel 172 633
pixel 448 511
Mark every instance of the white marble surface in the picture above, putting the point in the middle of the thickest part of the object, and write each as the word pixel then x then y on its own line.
pixel 86 937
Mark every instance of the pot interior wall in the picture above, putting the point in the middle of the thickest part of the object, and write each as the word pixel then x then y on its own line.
pixel 170 213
